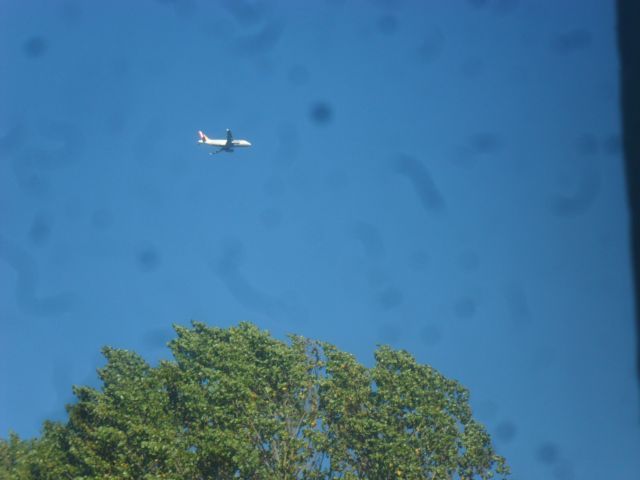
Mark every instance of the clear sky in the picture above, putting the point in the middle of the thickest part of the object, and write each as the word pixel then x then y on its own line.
pixel 444 177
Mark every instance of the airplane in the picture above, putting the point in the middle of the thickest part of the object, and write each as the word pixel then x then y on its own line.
pixel 224 145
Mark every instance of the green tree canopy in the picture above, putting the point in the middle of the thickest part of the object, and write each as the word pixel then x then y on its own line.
pixel 237 403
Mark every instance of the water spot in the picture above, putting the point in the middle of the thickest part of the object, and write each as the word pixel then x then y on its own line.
pixel 387 24
pixel 336 180
pixel 232 256
pixel 370 239
pixel 484 143
pixel 298 75
pixel 587 144
pixel 612 145
pixel 101 219
pixel 430 335
pixel 387 4
pixel 419 260
pixel 148 259
pixel 571 41
pixel 11 139
pixel 545 357
pixel 157 337
pixel 389 298
pixel 71 12
pixel 517 304
pixel 505 6
pixel 246 13
pixel 321 113
pixel 274 187
pixel 431 46
pixel 472 67
pixel 582 192
pixel 464 307
pixel 485 409
pixel 271 218
pixel 261 42
pixel 227 268
pixel 32 182
pixel 57 145
pixel 377 277
pixel 506 431
pixel 180 7
pixel 389 333
pixel 40 229
pixel 61 377
pixel 35 46
pixel 563 470
pixel 495 6
pixel 115 123
pixel 417 173
pixel 469 261
pixel 547 453
pixel 26 283
pixel 288 145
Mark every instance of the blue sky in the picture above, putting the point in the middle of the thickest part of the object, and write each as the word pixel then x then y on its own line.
pixel 444 177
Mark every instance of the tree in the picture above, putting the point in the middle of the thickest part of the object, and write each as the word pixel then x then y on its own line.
pixel 236 403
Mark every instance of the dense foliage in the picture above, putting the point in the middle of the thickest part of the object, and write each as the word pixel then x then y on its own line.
pixel 236 403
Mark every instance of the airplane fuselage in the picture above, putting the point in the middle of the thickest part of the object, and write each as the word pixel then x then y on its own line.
pixel 224 144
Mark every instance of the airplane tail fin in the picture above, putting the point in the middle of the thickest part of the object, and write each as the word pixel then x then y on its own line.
pixel 203 137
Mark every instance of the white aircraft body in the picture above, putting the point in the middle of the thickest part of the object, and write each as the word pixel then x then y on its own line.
pixel 223 145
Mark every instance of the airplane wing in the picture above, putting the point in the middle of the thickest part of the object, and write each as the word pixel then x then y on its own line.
pixel 229 137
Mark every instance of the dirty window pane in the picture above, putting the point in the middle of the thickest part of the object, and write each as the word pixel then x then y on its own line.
pixel 444 177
